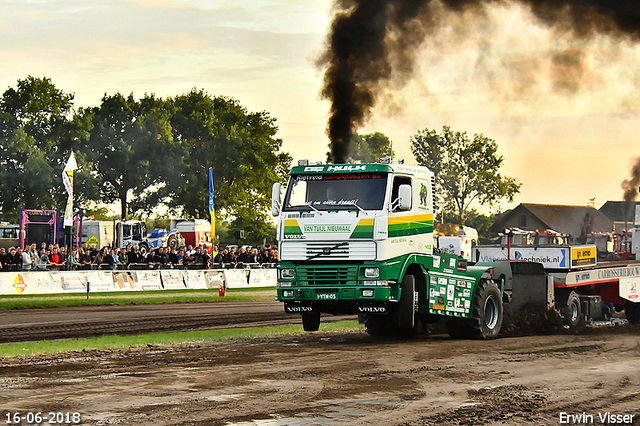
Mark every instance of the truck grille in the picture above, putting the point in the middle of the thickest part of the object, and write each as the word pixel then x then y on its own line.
pixel 328 250
pixel 329 275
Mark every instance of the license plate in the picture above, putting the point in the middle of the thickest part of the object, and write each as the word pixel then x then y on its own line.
pixel 327 296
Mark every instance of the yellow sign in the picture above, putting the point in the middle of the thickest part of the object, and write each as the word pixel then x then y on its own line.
pixel 583 256
pixel 93 240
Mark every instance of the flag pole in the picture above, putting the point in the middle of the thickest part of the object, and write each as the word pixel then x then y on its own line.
pixel 67 180
pixel 212 209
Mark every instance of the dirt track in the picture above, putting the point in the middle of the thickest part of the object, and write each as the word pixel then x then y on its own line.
pixel 342 379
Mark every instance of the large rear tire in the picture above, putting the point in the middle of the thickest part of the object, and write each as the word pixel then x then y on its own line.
pixel 311 321
pixel 486 319
pixel 487 311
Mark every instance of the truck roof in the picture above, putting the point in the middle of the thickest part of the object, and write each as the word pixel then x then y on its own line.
pixel 358 168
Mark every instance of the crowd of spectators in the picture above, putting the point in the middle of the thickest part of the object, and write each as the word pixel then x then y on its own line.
pixel 54 257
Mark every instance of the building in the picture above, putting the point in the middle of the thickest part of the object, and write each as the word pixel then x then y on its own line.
pixel 622 213
pixel 576 221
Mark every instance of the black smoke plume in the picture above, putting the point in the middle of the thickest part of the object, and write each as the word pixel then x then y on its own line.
pixel 630 188
pixel 373 42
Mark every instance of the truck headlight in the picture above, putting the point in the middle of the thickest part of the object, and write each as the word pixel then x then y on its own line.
pixel 367 293
pixel 287 293
pixel 287 273
pixel 372 272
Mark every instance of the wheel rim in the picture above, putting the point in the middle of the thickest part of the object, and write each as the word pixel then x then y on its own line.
pixel 490 312
pixel 574 311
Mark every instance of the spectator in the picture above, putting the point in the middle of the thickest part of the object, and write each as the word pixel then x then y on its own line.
pixel 108 262
pixel 44 262
pixel 206 259
pixel 26 260
pixel 93 252
pixel 54 258
pixel 4 260
pixel 158 258
pixel 173 258
pixel 84 260
pixel 13 259
pixel 98 258
pixel 198 258
pixel 150 259
pixel 221 257
pixel 132 256
pixel 73 259
pixel 33 253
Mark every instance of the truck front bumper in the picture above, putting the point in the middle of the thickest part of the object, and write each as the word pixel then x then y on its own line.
pixel 342 300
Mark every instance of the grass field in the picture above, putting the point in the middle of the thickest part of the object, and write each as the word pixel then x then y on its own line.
pixel 135 298
pixel 115 342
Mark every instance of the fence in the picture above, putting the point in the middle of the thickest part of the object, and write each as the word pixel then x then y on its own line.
pixel 48 282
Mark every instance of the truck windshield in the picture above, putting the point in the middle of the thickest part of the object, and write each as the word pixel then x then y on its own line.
pixel 336 191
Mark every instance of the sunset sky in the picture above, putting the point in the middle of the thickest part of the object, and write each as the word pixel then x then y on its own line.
pixel 564 112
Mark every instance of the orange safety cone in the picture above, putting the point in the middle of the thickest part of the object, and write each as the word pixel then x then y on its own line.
pixel 221 290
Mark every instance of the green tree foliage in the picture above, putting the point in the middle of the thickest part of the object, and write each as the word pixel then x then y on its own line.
pixel 243 151
pixel 367 148
pixel 33 147
pixel 466 170
pixel 147 154
pixel 128 143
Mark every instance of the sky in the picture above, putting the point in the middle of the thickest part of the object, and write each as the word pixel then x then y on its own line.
pixel 568 134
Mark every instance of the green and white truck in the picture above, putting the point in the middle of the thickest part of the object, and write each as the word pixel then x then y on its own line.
pixel 358 239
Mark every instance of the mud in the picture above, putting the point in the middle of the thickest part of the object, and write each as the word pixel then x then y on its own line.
pixel 338 379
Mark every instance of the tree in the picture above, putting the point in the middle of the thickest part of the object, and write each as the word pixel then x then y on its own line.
pixel 243 151
pixel 33 147
pixel 128 142
pixel 367 148
pixel 465 170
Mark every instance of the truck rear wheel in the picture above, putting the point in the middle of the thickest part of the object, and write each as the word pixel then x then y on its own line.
pixel 486 319
pixel 487 311
pixel 311 321
pixel 632 312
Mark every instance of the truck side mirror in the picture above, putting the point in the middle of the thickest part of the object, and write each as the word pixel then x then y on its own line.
pixel 275 199
pixel 404 197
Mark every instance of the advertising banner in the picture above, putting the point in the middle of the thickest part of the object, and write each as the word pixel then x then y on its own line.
pixel 263 278
pixel 172 280
pixel 194 279
pixel 236 278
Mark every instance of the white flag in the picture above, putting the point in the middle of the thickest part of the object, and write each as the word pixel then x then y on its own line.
pixel 67 179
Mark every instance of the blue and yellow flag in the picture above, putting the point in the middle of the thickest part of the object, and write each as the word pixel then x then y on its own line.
pixel 211 208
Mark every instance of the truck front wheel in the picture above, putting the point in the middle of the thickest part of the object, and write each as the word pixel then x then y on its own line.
pixel 311 321
pixel 407 304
